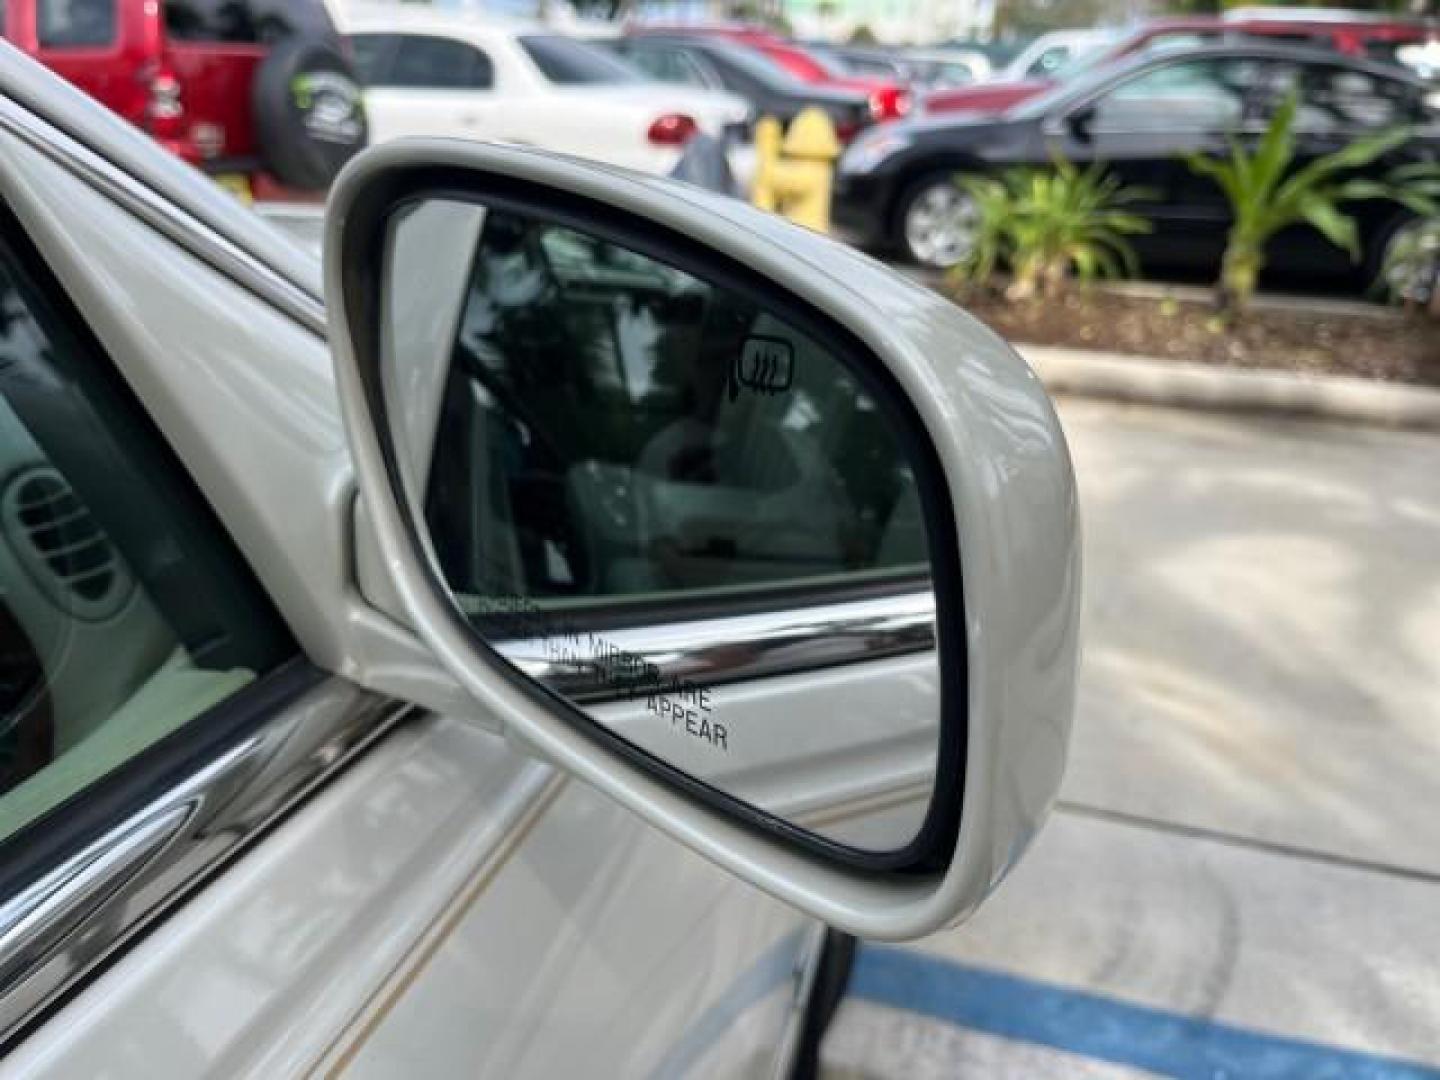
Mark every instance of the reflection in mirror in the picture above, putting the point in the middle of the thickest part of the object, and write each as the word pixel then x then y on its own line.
pixel 685 515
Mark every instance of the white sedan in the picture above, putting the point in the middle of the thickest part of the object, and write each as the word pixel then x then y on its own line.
pixel 437 73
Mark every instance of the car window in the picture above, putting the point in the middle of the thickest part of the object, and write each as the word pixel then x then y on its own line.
pixel 250 21
pixel 73 24
pixel 1340 99
pixel 371 55
pixel 752 67
pixel 1049 61
pixel 665 64
pixel 569 62
pixel 1193 95
pixel 437 63
pixel 637 433
pixel 125 613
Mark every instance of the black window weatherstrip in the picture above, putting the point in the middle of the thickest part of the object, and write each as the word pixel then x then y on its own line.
pixel 933 845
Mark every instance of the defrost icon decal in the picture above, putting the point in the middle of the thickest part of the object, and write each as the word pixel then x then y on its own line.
pixel 766 365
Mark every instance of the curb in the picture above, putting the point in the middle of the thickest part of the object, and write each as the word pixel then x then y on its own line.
pixel 1111 377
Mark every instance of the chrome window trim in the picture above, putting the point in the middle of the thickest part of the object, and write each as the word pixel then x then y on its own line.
pixel 57 932
pixel 731 648
pixel 178 225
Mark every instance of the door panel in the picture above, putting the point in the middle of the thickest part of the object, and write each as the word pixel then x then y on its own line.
pixel 598 949
pixel 1143 126
pixel 432 86
pixel 447 904
pixel 397 113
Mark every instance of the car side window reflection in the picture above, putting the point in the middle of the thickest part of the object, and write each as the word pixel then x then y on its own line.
pixel 1205 95
pixel 124 615
pixel 632 431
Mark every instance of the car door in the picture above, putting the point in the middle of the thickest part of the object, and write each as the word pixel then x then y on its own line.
pixel 424 84
pixel 1337 105
pixel 1140 127
pixel 366 886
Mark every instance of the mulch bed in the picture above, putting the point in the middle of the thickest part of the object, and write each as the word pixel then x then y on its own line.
pixel 1387 345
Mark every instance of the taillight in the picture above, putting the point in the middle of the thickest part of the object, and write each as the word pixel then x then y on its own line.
pixel 889 103
pixel 672 129
pixel 164 110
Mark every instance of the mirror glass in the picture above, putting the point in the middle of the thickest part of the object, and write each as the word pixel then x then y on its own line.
pixel 654 492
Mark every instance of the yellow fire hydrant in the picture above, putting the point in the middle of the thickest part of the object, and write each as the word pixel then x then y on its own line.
pixel 794 175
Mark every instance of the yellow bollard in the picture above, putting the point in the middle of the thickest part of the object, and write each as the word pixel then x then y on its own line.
pixel 794 176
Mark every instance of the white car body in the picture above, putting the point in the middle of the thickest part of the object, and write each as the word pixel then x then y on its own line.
pixel 351 864
pixel 605 122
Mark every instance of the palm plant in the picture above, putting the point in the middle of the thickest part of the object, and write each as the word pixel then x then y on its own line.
pixel 1051 224
pixel 1412 266
pixel 1267 195
pixel 1412 260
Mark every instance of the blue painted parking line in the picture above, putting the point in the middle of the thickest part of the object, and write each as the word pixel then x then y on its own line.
pixel 1103 1028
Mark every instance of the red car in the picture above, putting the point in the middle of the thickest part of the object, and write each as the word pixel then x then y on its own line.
pixel 1367 39
pixel 255 92
pixel 889 100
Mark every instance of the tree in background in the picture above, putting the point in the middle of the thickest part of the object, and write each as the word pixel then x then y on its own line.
pixel 1027 18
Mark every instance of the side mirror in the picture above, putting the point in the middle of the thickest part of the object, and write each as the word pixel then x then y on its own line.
pixel 773 546
pixel 1080 122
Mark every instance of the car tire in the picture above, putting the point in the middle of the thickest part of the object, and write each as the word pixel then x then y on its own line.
pixel 935 221
pixel 1411 277
pixel 309 113
pixel 832 978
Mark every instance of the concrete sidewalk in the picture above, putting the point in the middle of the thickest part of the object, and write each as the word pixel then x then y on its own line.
pixel 1247 853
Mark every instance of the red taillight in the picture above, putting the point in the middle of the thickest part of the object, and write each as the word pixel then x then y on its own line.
pixel 889 103
pixel 164 110
pixel 672 129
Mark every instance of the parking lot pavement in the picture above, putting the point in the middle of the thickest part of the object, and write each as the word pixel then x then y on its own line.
pixel 1243 878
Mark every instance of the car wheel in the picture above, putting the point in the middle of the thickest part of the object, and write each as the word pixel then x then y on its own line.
pixel 1406 263
pixel 938 222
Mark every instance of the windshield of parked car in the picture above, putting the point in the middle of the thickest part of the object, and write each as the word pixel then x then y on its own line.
pixel 569 62
pixel 1084 83
pixel 755 64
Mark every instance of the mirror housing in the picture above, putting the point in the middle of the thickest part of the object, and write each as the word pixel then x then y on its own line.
pixel 1003 473
pixel 1079 123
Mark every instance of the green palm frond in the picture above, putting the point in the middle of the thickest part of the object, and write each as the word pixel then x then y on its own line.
pixel 1052 224
pixel 1268 193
